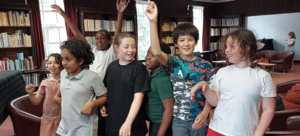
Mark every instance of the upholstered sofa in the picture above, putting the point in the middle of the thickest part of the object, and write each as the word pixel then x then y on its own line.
pixel 283 60
pixel 26 117
pixel 268 54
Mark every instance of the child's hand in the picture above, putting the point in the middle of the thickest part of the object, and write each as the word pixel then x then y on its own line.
pixel 30 88
pixel 103 111
pixel 151 11
pixel 121 5
pixel 125 130
pixel 199 122
pixel 57 9
pixel 287 39
pixel 87 108
pixel 201 85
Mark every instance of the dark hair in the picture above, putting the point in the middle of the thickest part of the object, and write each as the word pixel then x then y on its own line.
pixel 262 55
pixel 165 48
pixel 80 50
pixel 106 33
pixel 185 29
pixel 292 34
pixel 58 59
pixel 120 36
pixel 245 38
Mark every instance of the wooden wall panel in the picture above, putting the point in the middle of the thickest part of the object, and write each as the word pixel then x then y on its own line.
pixel 272 6
pixel 292 6
pixel 13 1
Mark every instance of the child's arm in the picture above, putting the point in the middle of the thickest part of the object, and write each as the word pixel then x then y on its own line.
pixel 268 111
pixel 34 98
pixel 57 97
pixel 103 111
pixel 121 6
pixel 200 121
pixel 167 116
pixel 72 27
pixel 134 109
pixel 87 108
pixel 211 96
pixel 151 13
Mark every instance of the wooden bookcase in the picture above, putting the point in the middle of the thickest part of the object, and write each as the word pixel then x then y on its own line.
pixel 166 25
pixel 220 26
pixel 92 20
pixel 15 39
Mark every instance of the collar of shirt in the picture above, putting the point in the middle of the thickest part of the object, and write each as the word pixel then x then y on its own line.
pixel 79 76
pixel 156 73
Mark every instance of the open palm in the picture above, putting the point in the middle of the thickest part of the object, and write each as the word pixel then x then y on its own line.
pixel 121 5
pixel 57 9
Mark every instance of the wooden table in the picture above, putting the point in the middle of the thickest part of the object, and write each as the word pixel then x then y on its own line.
pixel 223 62
pixel 267 65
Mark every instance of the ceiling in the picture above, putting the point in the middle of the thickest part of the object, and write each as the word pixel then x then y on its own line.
pixel 213 1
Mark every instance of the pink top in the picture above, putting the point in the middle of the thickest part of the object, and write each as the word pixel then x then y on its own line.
pixel 49 88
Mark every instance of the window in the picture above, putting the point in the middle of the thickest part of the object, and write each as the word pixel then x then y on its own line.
pixel 53 26
pixel 198 22
pixel 143 29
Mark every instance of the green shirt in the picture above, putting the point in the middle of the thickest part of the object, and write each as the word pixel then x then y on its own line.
pixel 161 88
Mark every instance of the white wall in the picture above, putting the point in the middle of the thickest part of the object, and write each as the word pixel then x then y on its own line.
pixel 276 27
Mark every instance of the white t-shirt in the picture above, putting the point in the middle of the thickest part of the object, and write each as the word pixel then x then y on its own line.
pixel 241 89
pixel 102 60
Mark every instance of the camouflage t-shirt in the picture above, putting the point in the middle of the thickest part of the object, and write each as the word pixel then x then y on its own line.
pixel 184 75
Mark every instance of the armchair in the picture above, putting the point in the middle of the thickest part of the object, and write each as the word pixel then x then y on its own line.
pixel 25 116
pixel 283 60
pixel 267 53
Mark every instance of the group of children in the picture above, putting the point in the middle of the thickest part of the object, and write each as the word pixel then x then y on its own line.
pixel 183 88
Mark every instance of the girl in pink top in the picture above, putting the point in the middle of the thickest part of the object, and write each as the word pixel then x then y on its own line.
pixel 49 89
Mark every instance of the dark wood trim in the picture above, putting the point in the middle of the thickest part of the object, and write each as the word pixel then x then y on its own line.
pixel 15 7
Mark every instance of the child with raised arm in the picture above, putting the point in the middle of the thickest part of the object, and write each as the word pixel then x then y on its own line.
pixel 127 81
pixel 161 98
pixel 240 91
pixel 190 112
pixel 48 89
pixel 103 51
pixel 81 91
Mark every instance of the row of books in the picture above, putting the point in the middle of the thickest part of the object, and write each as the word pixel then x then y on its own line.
pixel 213 46
pixel 168 26
pixel 167 39
pixel 225 22
pixel 32 78
pixel 17 64
pixel 91 25
pixel 14 18
pixel 18 39
pixel 214 31
pixel 174 50
pixel 225 31
pixel 90 39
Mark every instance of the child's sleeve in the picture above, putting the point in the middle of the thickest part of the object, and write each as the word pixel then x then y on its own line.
pixel 171 63
pixel 41 89
pixel 141 82
pixel 98 85
pixel 164 88
pixel 215 82
pixel 268 88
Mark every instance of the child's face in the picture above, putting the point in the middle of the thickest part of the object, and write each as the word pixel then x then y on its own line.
pixel 70 63
pixel 127 50
pixel 234 51
pixel 101 41
pixel 186 45
pixel 53 66
pixel 151 61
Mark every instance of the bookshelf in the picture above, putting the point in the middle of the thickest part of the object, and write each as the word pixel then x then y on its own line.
pixel 17 50
pixel 167 23
pixel 220 26
pixel 92 20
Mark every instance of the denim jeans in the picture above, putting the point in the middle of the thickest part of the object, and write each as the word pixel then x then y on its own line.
pixel 154 127
pixel 184 128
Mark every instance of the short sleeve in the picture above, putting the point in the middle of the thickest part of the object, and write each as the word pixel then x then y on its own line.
pixel 268 88
pixel 98 85
pixel 170 64
pixel 164 88
pixel 42 86
pixel 215 82
pixel 141 81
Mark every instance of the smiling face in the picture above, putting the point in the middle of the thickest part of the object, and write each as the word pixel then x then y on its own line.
pixel 126 50
pixel 70 63
pixel 151 61
pixel 186 45
pixel 102 41
pixel 234 52
pixel 53 66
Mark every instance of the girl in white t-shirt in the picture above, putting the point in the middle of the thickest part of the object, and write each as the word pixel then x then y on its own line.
pixel 240 91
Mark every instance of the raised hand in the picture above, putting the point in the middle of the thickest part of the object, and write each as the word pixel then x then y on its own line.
pixel 30 88
pixel 151 11
pixel 57 9
pixel 121 5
